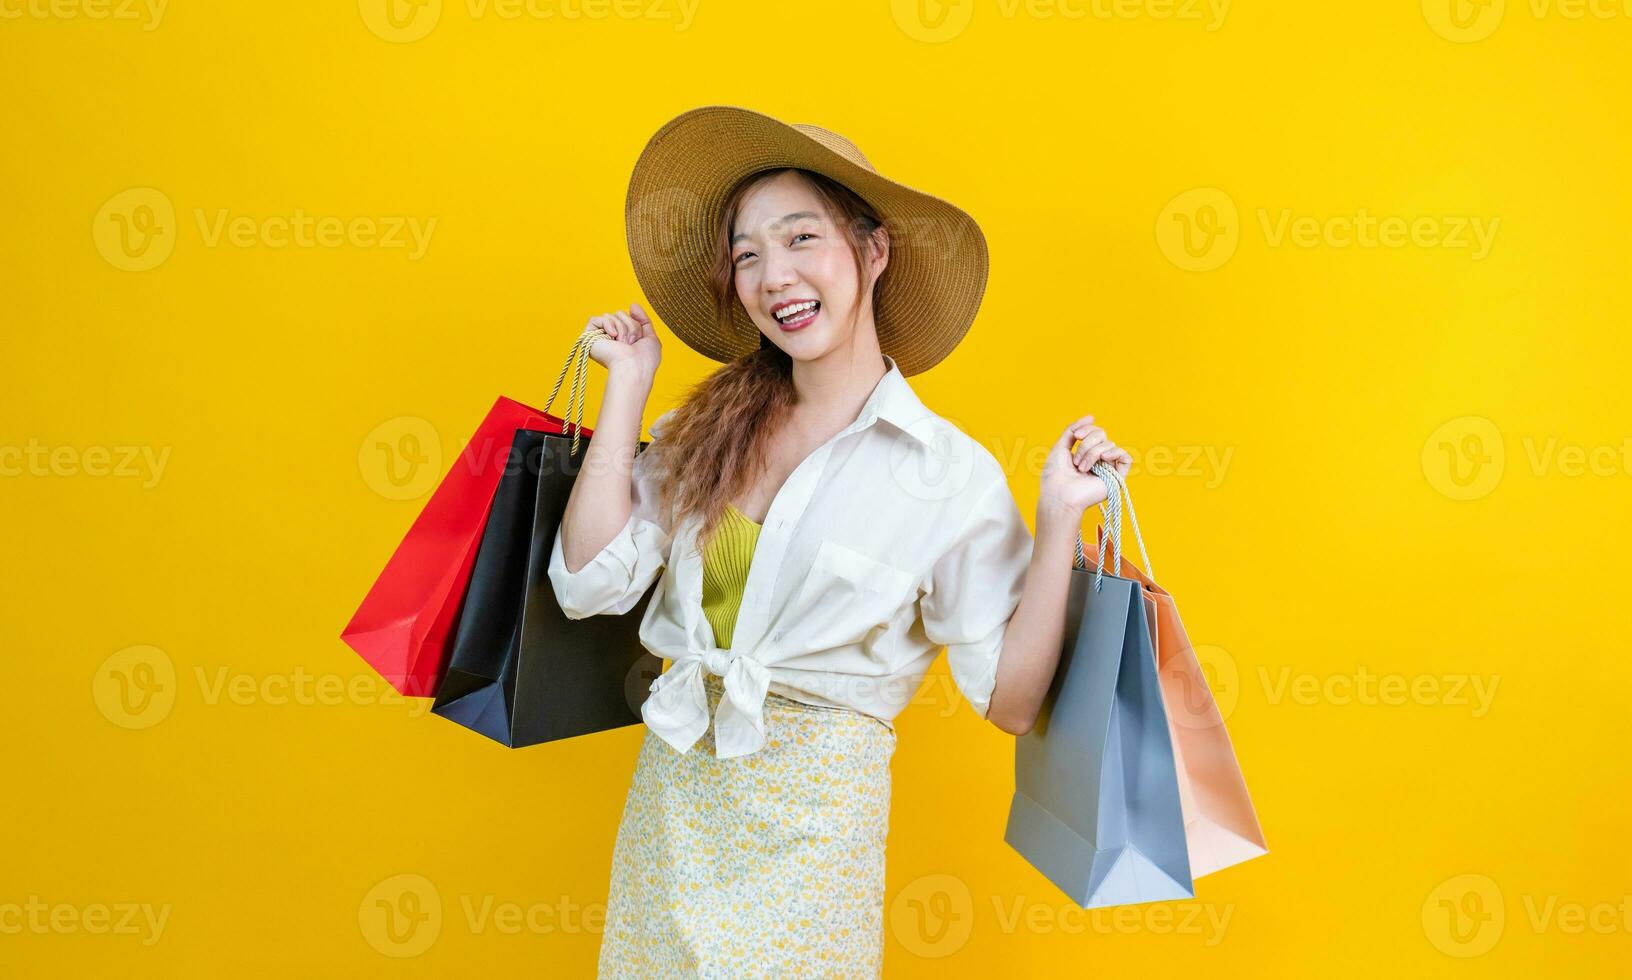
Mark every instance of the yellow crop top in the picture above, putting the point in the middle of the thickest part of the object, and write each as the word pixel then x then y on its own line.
pixel 726 558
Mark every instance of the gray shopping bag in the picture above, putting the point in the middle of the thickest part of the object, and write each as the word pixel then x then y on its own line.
pixel 1096 802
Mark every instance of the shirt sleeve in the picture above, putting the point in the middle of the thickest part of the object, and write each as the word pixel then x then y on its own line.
pixel 613 581
pixel 973 589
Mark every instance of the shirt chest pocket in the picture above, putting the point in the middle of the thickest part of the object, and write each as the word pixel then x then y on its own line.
pixel 847 596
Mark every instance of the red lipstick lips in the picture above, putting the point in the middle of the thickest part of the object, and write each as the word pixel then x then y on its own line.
pixel 807 310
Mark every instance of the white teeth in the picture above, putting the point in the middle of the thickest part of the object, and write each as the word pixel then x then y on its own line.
pixel 790 312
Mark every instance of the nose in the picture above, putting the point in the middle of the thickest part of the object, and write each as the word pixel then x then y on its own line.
pixel 779 273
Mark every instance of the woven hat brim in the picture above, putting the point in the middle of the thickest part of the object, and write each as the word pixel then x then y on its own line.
pixel 938 255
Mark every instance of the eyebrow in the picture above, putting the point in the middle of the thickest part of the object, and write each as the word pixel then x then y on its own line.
pixel 795 216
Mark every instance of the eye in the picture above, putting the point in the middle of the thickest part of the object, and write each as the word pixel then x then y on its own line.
pixel 747 255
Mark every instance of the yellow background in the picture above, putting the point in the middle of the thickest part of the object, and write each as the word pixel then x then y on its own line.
pixel 1426 476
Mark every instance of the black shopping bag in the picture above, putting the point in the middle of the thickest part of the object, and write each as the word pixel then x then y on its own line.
pixel 521 672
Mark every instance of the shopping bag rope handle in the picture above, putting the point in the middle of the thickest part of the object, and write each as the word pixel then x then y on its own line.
pixel 576 359
pixel 1117 494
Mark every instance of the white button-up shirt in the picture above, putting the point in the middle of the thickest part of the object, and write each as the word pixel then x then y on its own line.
pixel 896 536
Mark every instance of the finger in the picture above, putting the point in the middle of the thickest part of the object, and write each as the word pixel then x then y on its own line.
pixel 611 324
pixel 638 331
pixel 639 313
pixel 1097 454
pixel 1090 439
pixel 1073 432
pixel 628 329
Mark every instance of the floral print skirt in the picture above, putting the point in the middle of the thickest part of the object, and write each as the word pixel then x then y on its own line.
pixel 769 864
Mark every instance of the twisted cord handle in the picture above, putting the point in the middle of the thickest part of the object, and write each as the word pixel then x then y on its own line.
pixel 576 358
pixel 1117 495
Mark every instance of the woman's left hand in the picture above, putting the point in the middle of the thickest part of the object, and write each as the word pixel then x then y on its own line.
pixel 1067 482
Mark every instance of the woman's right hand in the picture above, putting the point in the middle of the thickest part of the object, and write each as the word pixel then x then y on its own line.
pixel 632 340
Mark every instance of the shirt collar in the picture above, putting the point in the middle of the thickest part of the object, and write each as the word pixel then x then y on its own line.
pixel 894 401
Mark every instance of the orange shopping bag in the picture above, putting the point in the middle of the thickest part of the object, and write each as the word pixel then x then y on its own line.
pixel 1220 824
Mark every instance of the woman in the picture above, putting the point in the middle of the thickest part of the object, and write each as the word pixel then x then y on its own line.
pixel 824 534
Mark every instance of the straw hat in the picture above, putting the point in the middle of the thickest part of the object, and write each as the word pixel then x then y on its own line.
pixel 938 260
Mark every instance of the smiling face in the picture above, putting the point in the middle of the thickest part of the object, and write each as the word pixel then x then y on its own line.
pixel 794 269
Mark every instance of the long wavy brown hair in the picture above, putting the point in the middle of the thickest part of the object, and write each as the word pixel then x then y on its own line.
pixel 719 437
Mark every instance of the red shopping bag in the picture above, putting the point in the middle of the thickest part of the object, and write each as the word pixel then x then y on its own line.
pixel 404 628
